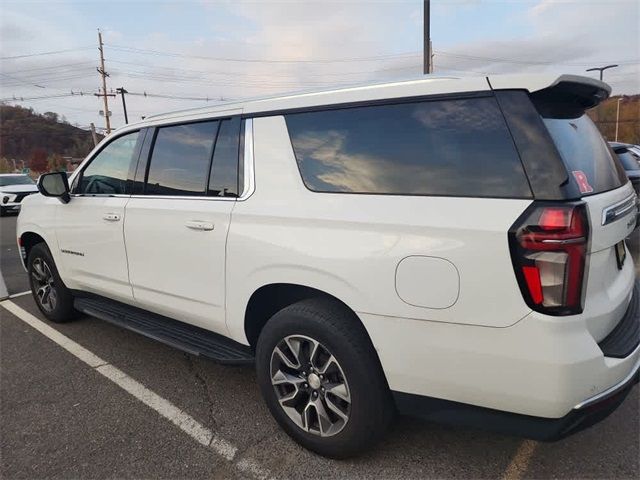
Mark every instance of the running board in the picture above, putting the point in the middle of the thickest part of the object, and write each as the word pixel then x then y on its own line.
pixel 188 338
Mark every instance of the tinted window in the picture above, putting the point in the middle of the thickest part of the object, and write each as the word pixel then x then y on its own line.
pixel 108 171
pixel 584 151
pixel 181 158
pixel 224 171
pixel 446 147
pixel 6 180
pixel 629 160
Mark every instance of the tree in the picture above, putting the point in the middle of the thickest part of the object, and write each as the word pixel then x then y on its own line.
pixel 38 160
pixel 56 163
pixel 5 166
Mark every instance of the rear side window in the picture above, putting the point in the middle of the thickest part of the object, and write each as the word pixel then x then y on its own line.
pixel 224 171
pixel 587 157
pixel 108 171
pixel 456 147
pixel 181 159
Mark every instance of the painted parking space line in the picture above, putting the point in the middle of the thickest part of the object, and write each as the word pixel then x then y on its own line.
pixel 20 294
pixel 4 293
pixel 520 461
pixel 189 425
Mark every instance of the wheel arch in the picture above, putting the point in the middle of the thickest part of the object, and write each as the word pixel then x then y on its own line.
pixel 271 298
pixel 27 240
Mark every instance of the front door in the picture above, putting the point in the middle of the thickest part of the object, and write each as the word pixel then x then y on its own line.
pixel 89 228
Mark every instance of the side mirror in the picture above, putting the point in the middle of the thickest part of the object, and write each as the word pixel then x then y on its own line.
pixel 54 185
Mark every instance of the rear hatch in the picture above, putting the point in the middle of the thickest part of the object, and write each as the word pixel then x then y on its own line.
pixel 568 246
pixel 610 199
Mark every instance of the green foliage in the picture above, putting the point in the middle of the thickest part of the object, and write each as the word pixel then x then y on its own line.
pixel 22 131
pixel 605 115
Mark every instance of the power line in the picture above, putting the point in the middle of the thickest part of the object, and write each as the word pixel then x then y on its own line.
pixel 525 62
pixel 21 80
pixel 54 52
pixel 254 60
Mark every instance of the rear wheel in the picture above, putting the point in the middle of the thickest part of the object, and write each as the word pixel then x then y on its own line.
pixel 54 300
pixel 321 378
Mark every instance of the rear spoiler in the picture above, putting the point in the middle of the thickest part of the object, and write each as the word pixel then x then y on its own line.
pixel 570 96
pixel 565 96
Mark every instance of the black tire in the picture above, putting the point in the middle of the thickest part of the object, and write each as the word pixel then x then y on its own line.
pixel 40 259
pixel 3 211
pixel 338 330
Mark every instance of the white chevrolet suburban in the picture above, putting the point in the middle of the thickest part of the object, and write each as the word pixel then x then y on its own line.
pixel 449 248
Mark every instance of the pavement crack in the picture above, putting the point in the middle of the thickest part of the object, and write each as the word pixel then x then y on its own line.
pixel 193 369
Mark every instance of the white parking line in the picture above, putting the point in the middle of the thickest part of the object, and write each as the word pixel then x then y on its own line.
pixel 163 407
pixel 16 295
pixel 3 288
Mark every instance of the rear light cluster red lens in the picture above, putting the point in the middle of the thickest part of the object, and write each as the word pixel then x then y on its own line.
pixel 549 249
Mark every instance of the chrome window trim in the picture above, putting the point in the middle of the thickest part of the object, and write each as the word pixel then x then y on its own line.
pixel 618 210
pixel 248 162
pixel 186 197
pixel 100 195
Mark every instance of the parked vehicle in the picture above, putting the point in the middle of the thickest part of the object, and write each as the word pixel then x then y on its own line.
pixel 630 161
pixel 450 248
pixel 14 187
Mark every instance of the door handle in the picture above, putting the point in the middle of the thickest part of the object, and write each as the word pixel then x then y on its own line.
pixel 111 217
pixel 199 225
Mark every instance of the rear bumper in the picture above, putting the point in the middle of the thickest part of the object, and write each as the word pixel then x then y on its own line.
pixel 580 417
pixel 622 342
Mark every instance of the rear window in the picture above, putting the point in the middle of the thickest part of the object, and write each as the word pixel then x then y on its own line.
pixel 455 147
pixel 587 157
pixel 629 160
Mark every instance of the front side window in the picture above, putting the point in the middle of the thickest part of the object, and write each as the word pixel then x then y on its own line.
pixel 108 171
pixel 181 159
pixel 456 147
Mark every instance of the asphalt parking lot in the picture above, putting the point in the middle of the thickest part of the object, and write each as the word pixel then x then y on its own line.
pixel 65 417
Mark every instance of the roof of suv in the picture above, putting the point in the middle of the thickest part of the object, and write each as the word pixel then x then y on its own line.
pixel 431 85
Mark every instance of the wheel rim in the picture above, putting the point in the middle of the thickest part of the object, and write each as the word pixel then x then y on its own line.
pixel 310 385
pixel 43 285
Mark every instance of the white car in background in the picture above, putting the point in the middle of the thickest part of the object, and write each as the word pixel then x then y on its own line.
pixel 13 188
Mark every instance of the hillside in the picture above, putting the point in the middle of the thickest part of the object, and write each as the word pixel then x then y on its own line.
pixel 24 132
pixel 629 122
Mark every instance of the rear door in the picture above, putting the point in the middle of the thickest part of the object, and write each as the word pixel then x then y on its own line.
pixel 611 203
pixel 176 227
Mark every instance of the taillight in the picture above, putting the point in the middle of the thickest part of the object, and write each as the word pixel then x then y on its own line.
pixel 549 249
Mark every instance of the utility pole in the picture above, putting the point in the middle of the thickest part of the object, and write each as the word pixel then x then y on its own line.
pixel 427 66
pixel 122 91
pixel 104 75
pixel 618 117
pixel 93 134
pixel 600 69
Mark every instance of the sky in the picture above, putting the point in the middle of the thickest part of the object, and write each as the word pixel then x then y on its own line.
pixel 208 51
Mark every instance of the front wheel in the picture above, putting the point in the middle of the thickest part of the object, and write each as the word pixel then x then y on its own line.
pixel 53 298
pixel 321 378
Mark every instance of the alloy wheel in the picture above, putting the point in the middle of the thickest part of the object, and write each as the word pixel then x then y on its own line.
pixel 310 385
pixel 43 285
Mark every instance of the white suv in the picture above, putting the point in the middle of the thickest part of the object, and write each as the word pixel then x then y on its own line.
pixel 450 248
